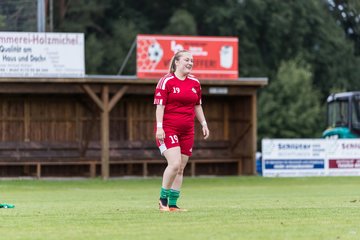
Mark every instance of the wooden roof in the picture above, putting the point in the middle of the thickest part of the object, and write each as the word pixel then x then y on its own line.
pixel 130 80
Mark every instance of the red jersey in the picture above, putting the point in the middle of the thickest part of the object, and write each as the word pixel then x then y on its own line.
pixel 179 98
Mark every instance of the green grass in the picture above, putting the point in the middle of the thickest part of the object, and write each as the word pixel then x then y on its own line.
pixel 219 208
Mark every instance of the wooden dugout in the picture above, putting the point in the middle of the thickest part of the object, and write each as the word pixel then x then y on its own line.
pixel 104 126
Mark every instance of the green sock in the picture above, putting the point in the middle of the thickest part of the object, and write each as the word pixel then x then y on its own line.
pixel 164 193
pixel 173 197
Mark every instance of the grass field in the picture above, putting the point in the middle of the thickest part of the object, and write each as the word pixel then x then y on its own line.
pixel 219 208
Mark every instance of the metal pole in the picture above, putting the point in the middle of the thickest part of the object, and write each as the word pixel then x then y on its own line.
pixel 127 57
pixel 41 15
pixel 51 16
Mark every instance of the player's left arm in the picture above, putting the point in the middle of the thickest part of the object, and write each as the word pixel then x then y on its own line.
pixel 201 117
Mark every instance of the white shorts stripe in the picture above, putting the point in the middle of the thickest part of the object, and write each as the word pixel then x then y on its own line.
pixel 162 148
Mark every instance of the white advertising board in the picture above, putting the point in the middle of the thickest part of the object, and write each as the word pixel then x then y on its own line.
pixel 344 157
pixel 310 157
pixel 293 157
pixel 27 54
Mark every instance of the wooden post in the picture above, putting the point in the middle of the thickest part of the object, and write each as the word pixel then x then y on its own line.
pixel 145 169
pixel 93 169
pixel 38 170
pixel 105 133
pixel 106 105
pixel 193 169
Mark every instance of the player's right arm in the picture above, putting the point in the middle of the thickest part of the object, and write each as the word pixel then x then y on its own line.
pixel 160 100
pixel 160 134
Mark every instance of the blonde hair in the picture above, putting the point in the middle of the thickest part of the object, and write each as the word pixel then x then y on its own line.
pixel 176 57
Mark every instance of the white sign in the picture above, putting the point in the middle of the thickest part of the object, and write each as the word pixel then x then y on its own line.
pixel 293 157
pixel 344 157
pixel 310 157
pixel 25 54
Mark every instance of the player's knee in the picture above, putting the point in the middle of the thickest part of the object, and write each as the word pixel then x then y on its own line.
pixel 175 167
pixel 180 171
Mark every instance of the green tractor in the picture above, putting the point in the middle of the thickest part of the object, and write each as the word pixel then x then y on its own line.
pixel 343 115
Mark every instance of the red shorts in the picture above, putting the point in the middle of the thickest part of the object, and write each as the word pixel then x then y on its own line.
pixel 173 138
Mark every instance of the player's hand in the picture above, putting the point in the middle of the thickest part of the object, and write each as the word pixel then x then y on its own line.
pixel 206 131
pixel 160 134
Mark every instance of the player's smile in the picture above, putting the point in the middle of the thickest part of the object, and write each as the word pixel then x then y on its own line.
pixel 187 65
pixel 186 62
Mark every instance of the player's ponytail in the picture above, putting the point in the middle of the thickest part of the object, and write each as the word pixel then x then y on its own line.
pixel 176 57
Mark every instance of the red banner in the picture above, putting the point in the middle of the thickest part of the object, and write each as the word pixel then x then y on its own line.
pixel 344 163
pixel 214 57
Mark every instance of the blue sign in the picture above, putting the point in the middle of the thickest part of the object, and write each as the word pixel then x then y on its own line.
pixel 295 164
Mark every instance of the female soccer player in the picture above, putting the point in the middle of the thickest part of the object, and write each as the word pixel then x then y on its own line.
pixel 178 101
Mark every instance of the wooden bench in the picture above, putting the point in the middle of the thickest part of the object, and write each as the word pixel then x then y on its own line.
pixel 145 153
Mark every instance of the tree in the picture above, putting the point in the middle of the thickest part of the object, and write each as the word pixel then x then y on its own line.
pixel 347 14
pixel 271 32
pixel 2 22
pixel 18 15
pixel 181 23
pixel 290 107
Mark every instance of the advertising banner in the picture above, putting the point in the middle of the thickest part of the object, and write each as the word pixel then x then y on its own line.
pixel 310 157
pixel 344 157
pixel 293 157
pixel 214 57
pixel 27 54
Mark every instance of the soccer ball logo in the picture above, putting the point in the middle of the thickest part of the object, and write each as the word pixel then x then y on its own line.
pixel 155 52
